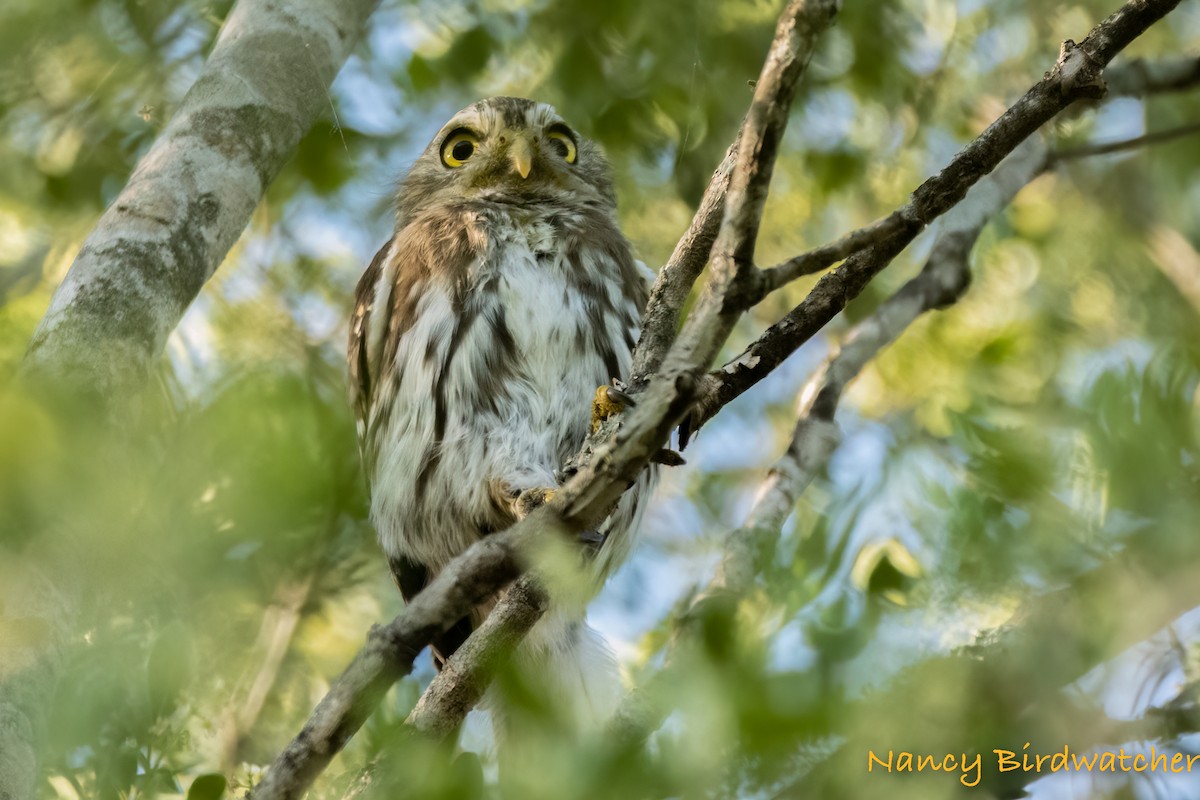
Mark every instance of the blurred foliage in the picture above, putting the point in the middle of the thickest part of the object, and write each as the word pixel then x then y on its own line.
pixel 1011 445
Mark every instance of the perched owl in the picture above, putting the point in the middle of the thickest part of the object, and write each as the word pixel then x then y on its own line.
pixel 481 330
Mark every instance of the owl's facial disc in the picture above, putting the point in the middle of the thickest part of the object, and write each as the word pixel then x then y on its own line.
pixel 512 151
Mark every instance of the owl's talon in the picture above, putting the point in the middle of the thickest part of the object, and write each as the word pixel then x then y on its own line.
pixel 608 402
pixel 618 397
pixel 526 502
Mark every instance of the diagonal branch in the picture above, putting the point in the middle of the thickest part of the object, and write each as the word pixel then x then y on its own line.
pixel 1106 148
pixel 391 649
pixel 460 685
pixel 660 322
pixel 942 282
pixel 1139 77
pixel 1076 75
pixel 191 195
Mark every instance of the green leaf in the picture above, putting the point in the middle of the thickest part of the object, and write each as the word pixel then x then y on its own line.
pixel 207 787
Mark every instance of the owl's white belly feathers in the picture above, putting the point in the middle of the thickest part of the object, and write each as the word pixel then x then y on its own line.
pixel 495 385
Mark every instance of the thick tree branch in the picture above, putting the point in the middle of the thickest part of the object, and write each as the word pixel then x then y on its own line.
pixel 1076 75
pixel 191 195
pixel 391 649
pixel 187 201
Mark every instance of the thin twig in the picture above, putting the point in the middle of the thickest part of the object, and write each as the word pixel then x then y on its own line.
pixel 1140 77
pixel 827 255
pixel 1076 75
pixel 1105 148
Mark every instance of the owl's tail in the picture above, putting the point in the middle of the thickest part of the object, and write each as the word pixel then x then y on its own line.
pixel 573 672
pixel 581 667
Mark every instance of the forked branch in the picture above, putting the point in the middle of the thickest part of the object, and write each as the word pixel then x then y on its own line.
pixel 1076 75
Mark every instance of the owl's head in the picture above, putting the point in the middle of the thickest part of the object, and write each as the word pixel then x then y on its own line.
pixel 507 149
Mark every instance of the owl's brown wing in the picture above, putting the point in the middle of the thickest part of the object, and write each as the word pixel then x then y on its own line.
pixel 384 309
pixel 435 249
pixel 363 354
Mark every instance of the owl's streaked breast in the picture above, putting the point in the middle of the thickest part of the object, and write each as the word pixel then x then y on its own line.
pixel 487 378
pixel 480 332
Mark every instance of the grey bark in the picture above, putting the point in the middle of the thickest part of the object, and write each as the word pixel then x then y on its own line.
pixel 185 205
pixel 460 685
pixel 674 282
pixel 192 194
pixel 391 649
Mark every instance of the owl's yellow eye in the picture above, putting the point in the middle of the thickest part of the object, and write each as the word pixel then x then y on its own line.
pixel 459 146
pixel 562 143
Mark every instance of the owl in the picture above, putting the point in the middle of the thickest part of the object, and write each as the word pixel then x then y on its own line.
pixel 480 332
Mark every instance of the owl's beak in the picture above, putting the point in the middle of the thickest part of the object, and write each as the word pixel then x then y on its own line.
pixel 522 156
